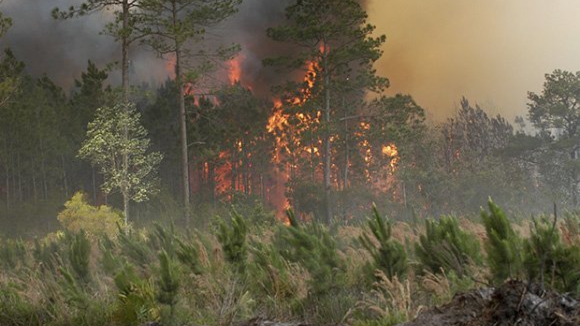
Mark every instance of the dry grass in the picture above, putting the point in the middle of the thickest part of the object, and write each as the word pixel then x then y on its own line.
pixel 390 298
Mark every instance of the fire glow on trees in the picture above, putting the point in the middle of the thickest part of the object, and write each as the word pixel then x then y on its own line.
pixel 294 127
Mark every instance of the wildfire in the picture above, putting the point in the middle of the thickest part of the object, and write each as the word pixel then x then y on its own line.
pixel 235 69
pixel 392 152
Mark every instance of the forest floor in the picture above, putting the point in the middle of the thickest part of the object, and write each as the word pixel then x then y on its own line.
pixel 514 303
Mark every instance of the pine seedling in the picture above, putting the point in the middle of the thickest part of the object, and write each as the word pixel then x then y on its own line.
pixel 315 249
pixel 503 245
pixel 389 255
pixel 445 246
pixel 233 241
pixel 188 254
pixel 79 255
pixel 168 282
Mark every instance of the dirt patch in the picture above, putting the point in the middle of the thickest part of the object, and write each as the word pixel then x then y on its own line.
pixel 514 303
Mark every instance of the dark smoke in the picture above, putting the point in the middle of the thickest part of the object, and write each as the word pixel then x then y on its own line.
pixel 61 49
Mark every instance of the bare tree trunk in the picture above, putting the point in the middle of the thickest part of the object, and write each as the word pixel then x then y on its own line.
pixel 64 177
pixel 183 134
pixel 327 162
pixel 125 52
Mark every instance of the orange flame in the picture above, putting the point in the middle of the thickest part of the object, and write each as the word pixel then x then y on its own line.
pixel 235 69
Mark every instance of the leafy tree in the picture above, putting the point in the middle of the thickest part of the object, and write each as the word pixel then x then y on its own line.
pixel 334 37
pixel 503 245
pixel 556 113
pixel 106 147
pixel 170 25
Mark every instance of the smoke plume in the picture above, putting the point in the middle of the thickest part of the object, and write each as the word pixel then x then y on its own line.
pixel 490 51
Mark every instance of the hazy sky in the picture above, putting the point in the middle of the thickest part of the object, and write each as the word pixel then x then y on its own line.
pixel 491 51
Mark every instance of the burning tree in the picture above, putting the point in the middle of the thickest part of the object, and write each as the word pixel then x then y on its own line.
pixel 334 40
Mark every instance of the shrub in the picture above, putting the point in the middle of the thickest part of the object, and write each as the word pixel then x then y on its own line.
pixel 548 260
pixel 314 248
pixel 503 245
pixel 233 241
pixel 389 256
pixel 446 247
pixel 79 255
pixel 79 214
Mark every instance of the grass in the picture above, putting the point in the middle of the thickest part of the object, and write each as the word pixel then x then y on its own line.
pixel 198 283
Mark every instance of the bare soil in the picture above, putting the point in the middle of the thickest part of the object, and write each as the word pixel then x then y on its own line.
pixel 514 303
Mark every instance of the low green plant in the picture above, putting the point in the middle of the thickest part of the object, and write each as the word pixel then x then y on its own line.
pixel 79 214
pixel 548 260
pixel 503 245
pixel 13 254
pixel 79 255
pixel 313 247
pixel 233 240
pixel 388 255
pixel 187 253
pixel 446 247
pixel 168 284
pixel 136 301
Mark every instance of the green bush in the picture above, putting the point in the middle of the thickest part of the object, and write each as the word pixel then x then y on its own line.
pixel 503 245
pixel 313 247
pixel 233 241
pixel 446 247
pixel 135 300
pixel 549 261
pixel 79 254
pixel 389 256
pixel 79 214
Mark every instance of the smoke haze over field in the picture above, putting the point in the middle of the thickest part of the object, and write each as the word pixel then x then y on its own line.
pixel 491 51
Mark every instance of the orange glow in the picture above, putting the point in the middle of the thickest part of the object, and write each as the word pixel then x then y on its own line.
pixel 235 69
pixel 392 152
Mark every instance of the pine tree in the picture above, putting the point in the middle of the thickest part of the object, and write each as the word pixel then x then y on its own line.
pixel 390 256
pixel 233 240
pixel 444 246
pixel 503 245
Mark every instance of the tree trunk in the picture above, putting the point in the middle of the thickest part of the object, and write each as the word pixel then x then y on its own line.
pixel 327 184
pixel 183 134
pixel 125 52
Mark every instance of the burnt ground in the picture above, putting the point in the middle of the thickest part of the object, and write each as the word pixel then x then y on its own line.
pixel 514 303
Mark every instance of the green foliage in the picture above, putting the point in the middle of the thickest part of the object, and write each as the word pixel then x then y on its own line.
pixel 313 247
pixel 136 299
pixel 389 256
pixel 549 261
pixel 168 282
pixel 46 254
pixel 233 241
pixel 134 246
pixel 503 245
pixel 446 247
pixel 117 144
pixel 79 254
pixel 187 253
pixel 13 253
pixel 79 214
